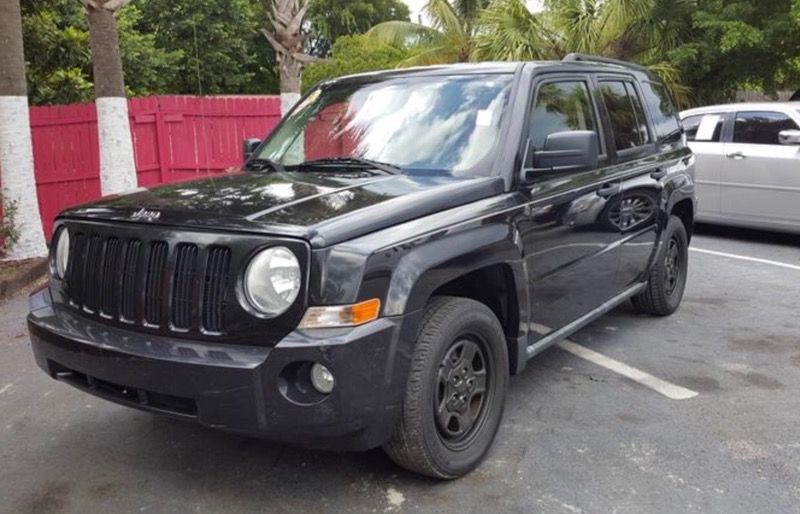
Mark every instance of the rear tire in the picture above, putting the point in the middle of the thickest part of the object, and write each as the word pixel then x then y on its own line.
pixel 667 280
pixel 456 390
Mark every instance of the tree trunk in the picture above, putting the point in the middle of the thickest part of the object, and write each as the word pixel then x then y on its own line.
pixel 117 167
pixel 290 71
pixel 16 149
pixel 287 37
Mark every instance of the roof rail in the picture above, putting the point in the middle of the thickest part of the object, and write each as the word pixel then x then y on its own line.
pixel 606 60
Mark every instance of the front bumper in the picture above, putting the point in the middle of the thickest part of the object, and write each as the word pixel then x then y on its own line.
pixel 247 389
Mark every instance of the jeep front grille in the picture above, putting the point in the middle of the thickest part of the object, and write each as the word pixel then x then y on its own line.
pixel 177 282
pixel 149 283
pixel 216 282
pixel 183 285
pixel 156 262
pixel 130 273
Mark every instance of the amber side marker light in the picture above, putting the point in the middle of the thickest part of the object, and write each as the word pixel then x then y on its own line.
pixel 341 315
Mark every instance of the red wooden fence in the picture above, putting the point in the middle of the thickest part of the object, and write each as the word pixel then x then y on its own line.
pixel 174 138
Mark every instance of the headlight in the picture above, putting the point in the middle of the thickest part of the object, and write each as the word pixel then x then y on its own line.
pixel 272 281
pixel 61 257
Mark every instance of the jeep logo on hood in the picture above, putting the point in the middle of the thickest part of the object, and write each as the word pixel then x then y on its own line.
pixel 145 215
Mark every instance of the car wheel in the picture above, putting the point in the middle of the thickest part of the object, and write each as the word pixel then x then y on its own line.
pixel 667 281
pixel 456 390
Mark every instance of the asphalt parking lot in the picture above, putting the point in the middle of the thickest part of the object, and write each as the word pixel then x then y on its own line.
pixel 577 436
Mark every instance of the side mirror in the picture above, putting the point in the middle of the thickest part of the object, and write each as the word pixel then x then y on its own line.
pixel 564 151
pixel 789 137
pixel 249 147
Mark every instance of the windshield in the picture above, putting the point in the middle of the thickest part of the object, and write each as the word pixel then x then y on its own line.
pixel 441 123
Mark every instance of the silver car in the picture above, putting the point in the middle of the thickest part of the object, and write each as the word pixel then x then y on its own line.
pixel 748 164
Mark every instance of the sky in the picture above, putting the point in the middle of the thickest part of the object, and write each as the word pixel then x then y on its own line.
pixel 415 6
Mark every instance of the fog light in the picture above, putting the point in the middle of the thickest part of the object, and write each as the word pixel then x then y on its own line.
pixel 322 379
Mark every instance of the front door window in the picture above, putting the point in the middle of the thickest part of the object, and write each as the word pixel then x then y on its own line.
pixel 561 107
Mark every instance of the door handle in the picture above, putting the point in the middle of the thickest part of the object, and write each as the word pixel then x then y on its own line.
pixel 736 155
pixel 658 173
pixel 609 190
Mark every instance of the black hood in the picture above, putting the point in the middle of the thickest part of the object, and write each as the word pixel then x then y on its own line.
pixel 323 207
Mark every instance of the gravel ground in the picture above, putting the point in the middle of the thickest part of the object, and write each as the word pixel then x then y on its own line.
pixel 576 437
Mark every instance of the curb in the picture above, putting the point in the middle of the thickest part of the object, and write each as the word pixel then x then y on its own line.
pixel 9 288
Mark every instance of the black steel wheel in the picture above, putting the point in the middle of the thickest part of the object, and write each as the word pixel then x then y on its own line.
pixel 456 390
pixel 667 280
pixel 673 270
pixel 461 391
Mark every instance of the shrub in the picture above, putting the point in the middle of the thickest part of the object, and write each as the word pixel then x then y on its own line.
pixel 9 235
pixel 353 54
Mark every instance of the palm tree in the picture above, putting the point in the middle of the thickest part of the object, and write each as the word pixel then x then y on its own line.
pixel 288 38
pixel 450 38
pixel 16 150
pixel 467 30
pixel 117 168
pixel 642 31
pixel 623 29
pixel 511 32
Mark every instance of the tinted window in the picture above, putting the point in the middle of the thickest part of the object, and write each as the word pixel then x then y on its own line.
pixel 561 107
pixel 760 127
pixel 626 114
pixel 665 119
pixel 703 127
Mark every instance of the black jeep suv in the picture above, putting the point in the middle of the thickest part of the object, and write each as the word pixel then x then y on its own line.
pixel 400 245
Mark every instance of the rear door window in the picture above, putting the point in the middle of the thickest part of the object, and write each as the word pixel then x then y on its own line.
pixel 761 127
pixel 662 110
pixel 626 114
pixel 704 127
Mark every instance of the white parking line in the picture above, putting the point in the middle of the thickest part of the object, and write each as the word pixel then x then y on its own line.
pixel 671 391
pixel 746 258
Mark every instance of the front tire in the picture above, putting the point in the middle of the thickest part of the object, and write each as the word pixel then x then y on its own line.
pixel 456 390
pixel 667 280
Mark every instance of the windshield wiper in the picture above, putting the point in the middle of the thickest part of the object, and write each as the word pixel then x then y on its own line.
pixel 259 164
pixel 353 162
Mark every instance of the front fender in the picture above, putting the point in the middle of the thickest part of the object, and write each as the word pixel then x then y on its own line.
pixel 431 264
pixel 428 266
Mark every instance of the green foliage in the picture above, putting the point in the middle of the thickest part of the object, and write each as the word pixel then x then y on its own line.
pixel 56 37
pixel 331 19
pixel 148 67
pixel 451 38
pixel 705 50
pixel 353 54
pixel 57 51
pixel 643 31
pixel 467 30
pixel 163 45
pixel 9 235
pixel 740 44
pixel 512 32
pixel 215 39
